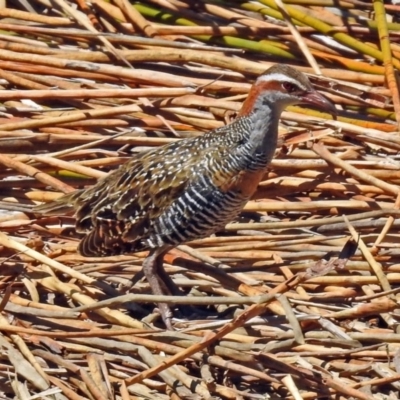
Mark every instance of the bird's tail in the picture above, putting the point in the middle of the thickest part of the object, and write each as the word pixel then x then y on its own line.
pixel 64 205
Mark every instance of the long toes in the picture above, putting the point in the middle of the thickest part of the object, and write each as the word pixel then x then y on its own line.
pixel 166 315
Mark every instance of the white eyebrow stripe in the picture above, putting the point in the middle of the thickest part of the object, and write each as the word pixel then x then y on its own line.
pixel 277 77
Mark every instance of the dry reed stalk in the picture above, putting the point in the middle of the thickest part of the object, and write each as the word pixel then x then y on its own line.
pixel 67 103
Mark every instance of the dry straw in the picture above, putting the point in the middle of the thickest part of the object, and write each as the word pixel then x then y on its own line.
pixel 298 298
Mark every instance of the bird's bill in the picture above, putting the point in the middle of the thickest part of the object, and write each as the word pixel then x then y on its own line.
pixel 317 100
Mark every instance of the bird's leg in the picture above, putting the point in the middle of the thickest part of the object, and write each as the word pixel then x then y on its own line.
pixel 173 289
pixel 165 278
pixel 186 310
pixel 159 281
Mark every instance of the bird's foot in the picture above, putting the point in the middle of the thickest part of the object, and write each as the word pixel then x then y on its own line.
pixel 160 283
pixel 166 315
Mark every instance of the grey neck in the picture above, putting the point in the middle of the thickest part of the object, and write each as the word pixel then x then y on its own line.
pixel 263 135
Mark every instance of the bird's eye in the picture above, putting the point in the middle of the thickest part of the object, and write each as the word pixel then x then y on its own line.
pixel 290 87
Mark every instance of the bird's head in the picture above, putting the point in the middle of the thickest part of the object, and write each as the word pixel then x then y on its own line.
pixel 281 86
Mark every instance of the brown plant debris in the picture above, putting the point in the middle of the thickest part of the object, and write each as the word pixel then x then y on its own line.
pixel 297 299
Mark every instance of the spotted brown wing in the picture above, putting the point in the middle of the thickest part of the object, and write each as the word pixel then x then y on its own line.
pixel 118 212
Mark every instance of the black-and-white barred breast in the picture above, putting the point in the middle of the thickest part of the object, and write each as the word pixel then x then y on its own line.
pixel 200 211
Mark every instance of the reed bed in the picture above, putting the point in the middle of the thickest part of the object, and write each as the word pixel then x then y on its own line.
pixel 298 298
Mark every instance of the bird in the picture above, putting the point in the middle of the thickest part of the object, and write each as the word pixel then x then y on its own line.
pixel 187 189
